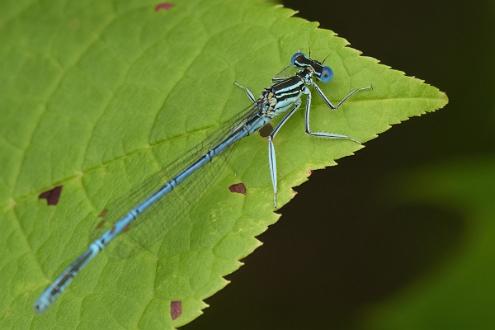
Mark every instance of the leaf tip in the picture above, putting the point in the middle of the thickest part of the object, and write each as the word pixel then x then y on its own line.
pixel 444 99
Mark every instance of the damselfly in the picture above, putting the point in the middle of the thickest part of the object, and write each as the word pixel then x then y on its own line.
pixel 284 96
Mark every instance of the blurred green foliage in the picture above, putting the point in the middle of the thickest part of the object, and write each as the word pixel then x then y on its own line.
pixel 459 293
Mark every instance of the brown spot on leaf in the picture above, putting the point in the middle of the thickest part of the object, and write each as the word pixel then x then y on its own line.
pixel 52 196
pixel 103 213
pixel 266 130
pixel 175 309
pixel 239 188
pixel 163 6
pixel 100 224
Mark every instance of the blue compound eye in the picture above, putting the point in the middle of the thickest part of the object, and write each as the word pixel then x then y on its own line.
pixel 294 57
pixel 326 74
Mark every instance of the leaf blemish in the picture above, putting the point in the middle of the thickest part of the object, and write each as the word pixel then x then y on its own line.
pixel 266 130
pixel 100 224
pixel 52 196
pixel 239 188
pixel 103 213
pixel 175 309
pixel 163 6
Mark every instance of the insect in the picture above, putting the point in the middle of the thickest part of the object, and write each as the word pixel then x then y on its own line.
pixel 284 96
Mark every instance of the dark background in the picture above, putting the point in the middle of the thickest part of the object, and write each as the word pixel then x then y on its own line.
pixel 327 260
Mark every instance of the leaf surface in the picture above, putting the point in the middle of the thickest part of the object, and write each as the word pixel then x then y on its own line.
pixel 96 95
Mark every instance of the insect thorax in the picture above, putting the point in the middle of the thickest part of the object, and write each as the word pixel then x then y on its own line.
pixel 283 95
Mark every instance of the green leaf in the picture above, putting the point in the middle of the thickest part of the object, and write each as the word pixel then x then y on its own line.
pixel 96 95
pixel 460 293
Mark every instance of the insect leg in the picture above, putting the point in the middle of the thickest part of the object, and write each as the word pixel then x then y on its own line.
pixel 319 134
pixel 344 99
pixel 271 150
pixel 249 93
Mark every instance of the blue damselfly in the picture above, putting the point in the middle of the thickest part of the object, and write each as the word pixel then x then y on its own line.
pixel 284 96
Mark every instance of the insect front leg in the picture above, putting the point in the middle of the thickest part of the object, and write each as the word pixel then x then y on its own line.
pixel 344 99
pixel 272 160
pixel 319 134
pixel 249 93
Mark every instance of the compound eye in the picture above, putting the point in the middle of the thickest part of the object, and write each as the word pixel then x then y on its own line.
pixel 294 59
pixel 326 74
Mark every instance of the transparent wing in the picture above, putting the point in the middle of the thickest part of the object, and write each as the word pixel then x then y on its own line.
pixel 164 214
pixel 286 72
